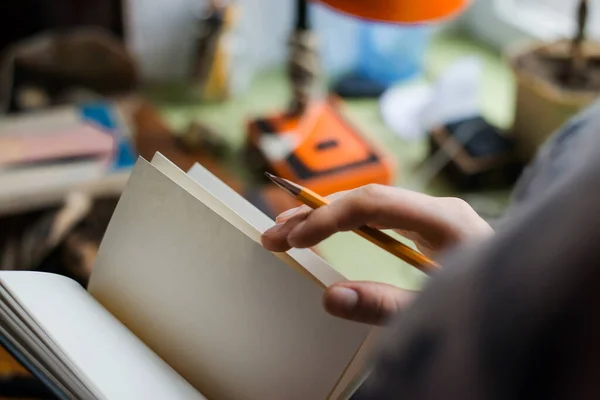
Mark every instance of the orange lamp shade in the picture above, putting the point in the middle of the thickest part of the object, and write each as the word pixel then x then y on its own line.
pixel 399 11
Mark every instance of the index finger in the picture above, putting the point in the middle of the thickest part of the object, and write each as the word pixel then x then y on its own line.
pixel 368 205
pixel 304 209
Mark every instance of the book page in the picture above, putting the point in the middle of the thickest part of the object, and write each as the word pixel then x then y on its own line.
pixel 228 315
pixel 301 258
pixel 115 363
pixel 243 215
pixel 248 213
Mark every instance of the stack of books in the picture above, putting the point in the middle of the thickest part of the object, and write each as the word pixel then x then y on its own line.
pixel 46 155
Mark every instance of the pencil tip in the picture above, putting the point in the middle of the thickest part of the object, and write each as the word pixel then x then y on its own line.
pixel 284 184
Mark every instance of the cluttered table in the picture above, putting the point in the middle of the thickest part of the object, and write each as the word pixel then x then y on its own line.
pixel 171 109
pixel 269 91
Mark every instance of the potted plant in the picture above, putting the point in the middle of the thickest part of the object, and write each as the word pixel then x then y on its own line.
pixel 554 81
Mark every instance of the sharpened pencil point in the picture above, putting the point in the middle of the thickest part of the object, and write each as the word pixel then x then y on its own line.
pixel 284 184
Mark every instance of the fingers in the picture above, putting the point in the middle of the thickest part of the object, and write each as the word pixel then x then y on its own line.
pixel 304 209
pixel 433 223
pixel 366 302
pixel 276 238
pixel 372 205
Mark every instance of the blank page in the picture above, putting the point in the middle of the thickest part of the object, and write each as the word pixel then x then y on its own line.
pixel 223 200
pixel 106 354
pixel 228 315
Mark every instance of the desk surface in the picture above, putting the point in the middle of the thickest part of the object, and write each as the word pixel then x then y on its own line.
pixel 351 255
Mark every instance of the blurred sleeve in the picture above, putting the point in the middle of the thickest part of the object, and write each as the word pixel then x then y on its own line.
pixel 515 318
pixel 559 157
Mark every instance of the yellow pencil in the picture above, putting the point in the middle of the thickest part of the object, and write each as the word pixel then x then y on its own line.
pixel 381 239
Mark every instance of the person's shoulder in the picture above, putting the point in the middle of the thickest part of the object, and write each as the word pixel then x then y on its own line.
pixel 569 149
pixel 498 307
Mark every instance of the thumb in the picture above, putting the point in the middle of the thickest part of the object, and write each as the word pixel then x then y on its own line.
pixel 366 302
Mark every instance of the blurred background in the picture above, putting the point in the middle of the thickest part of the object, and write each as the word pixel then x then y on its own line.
pixel 451 108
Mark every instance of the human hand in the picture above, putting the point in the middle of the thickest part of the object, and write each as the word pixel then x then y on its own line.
pixel 433 223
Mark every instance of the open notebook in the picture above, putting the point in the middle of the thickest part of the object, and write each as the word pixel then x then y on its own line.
pixel 184 303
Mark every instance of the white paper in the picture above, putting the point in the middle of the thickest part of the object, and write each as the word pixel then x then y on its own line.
pixel 118 364
pixel 227 314
pixel 401 109
pixel 413 111
pixel 456 95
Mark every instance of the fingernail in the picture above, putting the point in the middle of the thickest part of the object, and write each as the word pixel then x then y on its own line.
pixel 287 214
pixel 275 228
pixel 346 299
